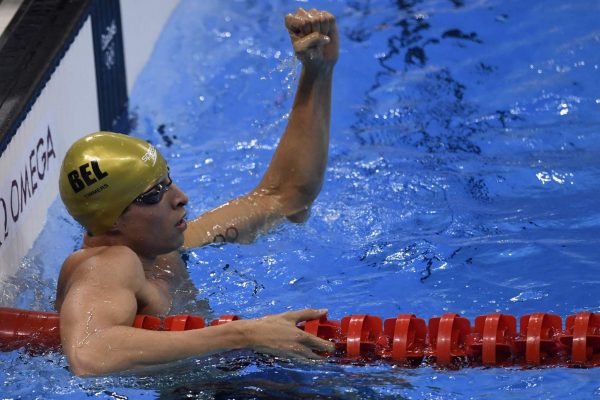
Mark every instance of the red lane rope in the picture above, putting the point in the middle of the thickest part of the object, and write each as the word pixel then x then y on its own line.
pixel 446 341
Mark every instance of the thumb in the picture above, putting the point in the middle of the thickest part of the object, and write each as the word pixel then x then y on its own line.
pixel 313 40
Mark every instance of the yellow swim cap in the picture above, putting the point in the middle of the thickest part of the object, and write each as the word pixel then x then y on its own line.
pixel 103 173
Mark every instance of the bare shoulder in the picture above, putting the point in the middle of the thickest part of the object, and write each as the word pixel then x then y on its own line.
pixel 100 266
pixel 96 260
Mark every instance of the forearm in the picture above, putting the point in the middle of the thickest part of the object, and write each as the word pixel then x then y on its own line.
pixel 122 348
pixel 298 165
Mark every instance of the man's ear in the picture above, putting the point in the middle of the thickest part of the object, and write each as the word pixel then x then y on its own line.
pixel 112 231
pixel 115 228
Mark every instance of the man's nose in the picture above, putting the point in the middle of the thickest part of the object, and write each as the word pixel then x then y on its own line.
pixel 179 198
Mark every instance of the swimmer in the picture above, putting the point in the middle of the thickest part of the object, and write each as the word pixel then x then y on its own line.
pixel 119 189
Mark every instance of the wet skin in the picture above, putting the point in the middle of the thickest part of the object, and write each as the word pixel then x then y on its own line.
pixel 135 266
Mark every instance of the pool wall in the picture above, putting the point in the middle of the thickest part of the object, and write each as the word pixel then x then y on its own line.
pixel 66 69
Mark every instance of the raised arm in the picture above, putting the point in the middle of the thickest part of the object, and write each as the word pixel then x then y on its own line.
pixel 295 176
pixel 296 171
pixel 100 306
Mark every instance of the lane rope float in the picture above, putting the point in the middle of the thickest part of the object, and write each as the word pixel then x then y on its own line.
pixel 448 341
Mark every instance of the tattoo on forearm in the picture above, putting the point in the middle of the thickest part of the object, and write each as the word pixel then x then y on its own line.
pixel 231 234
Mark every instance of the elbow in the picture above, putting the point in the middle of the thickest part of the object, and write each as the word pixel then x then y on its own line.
pixel 291 200
pixel 299 217
pixel 82 373
pixel 297 203
pixel 84 363
pixel 82 367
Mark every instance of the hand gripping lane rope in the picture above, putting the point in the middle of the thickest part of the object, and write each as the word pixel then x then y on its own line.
pixel 449 341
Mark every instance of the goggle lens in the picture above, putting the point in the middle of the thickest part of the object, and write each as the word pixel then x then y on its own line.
pixel 155 194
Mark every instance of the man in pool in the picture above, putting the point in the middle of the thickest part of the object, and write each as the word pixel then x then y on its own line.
pixel 119 189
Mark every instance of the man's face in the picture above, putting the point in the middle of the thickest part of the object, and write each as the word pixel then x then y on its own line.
pixel 155 221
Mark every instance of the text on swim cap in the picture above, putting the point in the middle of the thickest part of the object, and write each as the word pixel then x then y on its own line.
pixel 150 155
pixel 81 178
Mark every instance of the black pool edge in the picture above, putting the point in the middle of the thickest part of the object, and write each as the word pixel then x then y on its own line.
pixel 34 43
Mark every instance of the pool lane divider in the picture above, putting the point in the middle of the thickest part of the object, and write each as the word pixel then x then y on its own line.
pixel 448 341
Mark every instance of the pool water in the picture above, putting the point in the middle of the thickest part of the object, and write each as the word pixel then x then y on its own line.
pixel 463 176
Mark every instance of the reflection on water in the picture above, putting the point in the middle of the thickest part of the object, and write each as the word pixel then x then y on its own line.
pixel 463 176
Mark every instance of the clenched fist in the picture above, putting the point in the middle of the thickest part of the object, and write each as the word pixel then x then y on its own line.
pixel 314 37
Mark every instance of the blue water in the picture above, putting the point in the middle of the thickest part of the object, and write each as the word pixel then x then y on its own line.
pixel 463 176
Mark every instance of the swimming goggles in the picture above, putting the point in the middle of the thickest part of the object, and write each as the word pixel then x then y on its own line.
pixel 155 194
